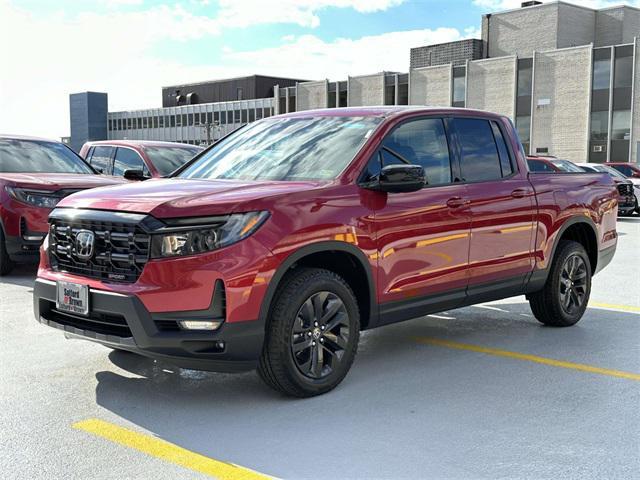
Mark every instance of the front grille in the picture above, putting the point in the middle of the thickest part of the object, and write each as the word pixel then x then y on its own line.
pixel 625 189
pixel 121 248
pixel 106 324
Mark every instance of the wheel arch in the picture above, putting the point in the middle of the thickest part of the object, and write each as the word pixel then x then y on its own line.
pixel 317 254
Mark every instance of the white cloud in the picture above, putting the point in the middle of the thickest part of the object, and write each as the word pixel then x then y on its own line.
pixel 114 52
pixel 301 12
pixel 497 5
pixel 307 56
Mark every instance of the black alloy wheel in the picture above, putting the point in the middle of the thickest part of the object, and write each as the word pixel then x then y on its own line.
pixel 573 284
pixel 312 333
pixel 320 335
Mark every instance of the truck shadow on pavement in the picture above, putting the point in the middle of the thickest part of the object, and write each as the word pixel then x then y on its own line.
pixel 397 387
pixel 21 275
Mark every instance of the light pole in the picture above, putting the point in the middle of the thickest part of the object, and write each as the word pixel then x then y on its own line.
pixel 208 127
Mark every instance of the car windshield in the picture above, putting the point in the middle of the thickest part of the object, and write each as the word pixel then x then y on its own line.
pixel 310 148
pixel 166 159
pixel 611 171
pixel 567 166
pixel 39 156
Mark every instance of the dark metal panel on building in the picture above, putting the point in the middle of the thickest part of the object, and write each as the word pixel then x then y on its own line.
pixel 88 118
pixel 242 88
pixel 456 53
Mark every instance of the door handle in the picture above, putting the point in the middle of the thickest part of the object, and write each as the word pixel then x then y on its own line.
pixel 457 202
pixel 520 192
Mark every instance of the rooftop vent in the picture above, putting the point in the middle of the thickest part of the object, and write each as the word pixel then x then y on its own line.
pixel 531 3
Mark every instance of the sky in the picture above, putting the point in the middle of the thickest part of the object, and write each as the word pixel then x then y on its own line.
pixel 131 48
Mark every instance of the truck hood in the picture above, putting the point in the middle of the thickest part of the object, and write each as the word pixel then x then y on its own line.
pixel 175 198
pixel 58 181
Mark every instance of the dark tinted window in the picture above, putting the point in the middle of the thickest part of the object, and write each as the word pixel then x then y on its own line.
pixel 127 159
pixel 479 159
pixel 101 159
pixel 505 158
pixel 168 159
pixel 623 169
pixel 419 142
pixel 537 166
pixel 31 156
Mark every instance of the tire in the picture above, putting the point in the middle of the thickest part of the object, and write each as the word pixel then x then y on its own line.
pixel 297 357
pixel 564 298
pixel 6 265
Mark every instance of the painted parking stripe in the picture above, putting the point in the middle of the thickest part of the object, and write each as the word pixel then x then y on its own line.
pixel 529 358
pixel 615 307
pixel 167 451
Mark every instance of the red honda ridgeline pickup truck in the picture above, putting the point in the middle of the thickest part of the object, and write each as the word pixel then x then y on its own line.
pixel 275 247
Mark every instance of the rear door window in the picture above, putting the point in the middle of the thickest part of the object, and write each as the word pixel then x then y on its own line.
pixel 537 166
pixel 479 157
pixel 101 159
pixel 127 159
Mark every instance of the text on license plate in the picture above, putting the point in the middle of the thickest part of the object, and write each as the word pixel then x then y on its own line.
pixel 72 298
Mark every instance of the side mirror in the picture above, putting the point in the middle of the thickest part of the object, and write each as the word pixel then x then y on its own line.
pixel 401 178
pixel 136 175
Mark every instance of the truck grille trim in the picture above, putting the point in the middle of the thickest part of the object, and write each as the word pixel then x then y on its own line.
pixel 121 249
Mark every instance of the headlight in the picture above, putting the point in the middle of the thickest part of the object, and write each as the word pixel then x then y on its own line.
pixel 38 198
pixel 195 239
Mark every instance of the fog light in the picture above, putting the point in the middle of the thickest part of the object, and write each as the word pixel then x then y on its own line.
pixel 199 325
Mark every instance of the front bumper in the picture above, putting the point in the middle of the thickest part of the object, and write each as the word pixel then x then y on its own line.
pixel 24 250
pixel 122 321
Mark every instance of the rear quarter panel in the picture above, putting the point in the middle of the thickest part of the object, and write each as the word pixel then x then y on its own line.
pixel 562 197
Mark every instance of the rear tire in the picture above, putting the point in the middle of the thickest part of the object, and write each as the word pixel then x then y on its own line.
pixel 6 265
pixel 564 298
pixel 312 335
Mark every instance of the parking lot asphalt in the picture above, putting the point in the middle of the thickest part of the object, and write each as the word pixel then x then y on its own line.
pixel 480 392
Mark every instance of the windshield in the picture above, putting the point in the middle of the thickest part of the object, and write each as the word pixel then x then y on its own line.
pixel 38 156
pixel 611 171
pixel 567 166
pixel 316 148
pixel 167 159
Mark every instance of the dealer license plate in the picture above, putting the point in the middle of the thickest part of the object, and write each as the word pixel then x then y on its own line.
pixel 72 298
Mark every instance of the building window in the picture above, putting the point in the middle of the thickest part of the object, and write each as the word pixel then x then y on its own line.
pixel 252 115
pixel 343 95
pixel 523 125
pixel 244 116
pixel 601 69
pixel 390 89
pixel 239 92
pixel 178 120
pixel 403 89
pixel 525 77
pixel 190 119
pixel 459 86
pixel 599 126
pixel 258 113
pixel 210 117
pixel 223 117
pixel 621 125
pixel 184 120
pixel 173 120
pixel 236 116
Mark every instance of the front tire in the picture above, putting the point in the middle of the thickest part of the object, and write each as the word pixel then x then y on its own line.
pixel 312 338
pixel 6 265
pixel 564 298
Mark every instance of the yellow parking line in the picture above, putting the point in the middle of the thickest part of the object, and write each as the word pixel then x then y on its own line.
pixel 625 308
pixel 167 451
pixel 528 358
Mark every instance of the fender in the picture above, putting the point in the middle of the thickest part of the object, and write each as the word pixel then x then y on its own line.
pixel 309 250
pixel 538 278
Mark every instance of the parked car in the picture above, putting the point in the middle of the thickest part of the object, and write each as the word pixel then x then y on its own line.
pixel 626 188
pixel 551 164
pixel 137 159
pixel 35 174
pixel 278 244
pixel 629 170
